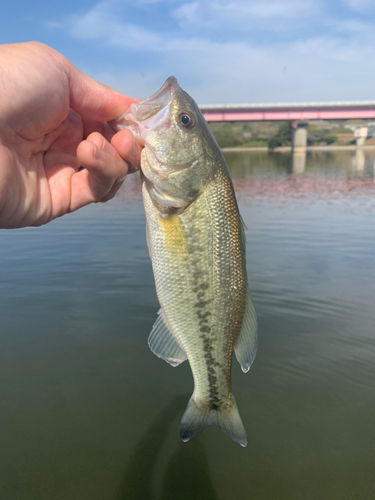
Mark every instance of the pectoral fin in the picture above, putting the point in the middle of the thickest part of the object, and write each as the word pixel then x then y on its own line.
pixel 163 344
pixel 247 341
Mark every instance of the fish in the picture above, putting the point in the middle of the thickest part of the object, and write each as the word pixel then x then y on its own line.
pixel 197 245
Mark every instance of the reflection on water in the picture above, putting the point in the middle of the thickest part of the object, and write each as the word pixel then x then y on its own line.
pixel 328 176
pixel 359 160
pixel 88 412
pixel 298 162
pixel 186 474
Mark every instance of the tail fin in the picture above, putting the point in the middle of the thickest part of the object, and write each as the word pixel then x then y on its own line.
pixel 196 419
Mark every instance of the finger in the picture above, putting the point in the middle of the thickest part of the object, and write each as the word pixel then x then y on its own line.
pixel 131 153
pixel 91 126
pixel 128 148
pixel 104 171
pixel 93 99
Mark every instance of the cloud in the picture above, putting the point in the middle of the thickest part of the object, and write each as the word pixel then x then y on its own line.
pixel 359 5
pixel 216 64
pixel 272 9
pixel 188 12
pixel 351 27
pixel 101 22
pixel 245 15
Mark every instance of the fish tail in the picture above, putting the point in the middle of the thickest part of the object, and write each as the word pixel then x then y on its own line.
pixel 226 417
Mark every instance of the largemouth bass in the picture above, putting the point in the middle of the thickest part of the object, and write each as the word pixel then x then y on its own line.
pixel 196 241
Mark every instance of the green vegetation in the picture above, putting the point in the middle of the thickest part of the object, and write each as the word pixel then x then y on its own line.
pixel 329 139
pixel 227 137
pixel 243 134
pixel 278 134
pixel 282 138
pixel 317 135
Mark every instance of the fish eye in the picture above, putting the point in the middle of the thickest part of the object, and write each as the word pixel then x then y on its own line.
pixel 186 119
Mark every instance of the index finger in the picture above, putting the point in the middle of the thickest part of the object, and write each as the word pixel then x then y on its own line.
pixel 93 99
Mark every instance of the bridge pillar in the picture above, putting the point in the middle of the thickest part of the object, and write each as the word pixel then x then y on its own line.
pixel 299 136
pixel 360 135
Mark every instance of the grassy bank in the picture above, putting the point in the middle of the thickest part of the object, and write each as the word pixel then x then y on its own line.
pixel 275 135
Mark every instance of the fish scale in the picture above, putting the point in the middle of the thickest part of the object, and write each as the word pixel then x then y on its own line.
pixel 197 244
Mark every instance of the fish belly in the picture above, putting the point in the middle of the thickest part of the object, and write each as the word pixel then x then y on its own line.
pixel 200 275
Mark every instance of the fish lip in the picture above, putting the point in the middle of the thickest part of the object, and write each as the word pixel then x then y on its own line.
pixel 145 109
pixel 134 118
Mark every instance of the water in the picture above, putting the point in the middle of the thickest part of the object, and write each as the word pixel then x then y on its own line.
pixel 88 412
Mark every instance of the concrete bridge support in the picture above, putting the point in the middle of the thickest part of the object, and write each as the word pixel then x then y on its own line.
pixel 360 135
pixel 299 137
pixel 299 143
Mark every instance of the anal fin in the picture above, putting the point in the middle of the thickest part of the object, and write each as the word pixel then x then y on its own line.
pixel 247 342
pixel 163 344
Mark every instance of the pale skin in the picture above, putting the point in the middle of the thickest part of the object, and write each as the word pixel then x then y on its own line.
pixel 57 152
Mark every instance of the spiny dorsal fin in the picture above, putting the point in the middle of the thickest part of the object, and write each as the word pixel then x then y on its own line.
pixel 163 344
pixel 247 341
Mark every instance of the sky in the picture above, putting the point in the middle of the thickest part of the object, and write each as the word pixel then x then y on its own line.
pixel 221 51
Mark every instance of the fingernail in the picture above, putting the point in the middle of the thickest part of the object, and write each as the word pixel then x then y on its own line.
pixel 98 153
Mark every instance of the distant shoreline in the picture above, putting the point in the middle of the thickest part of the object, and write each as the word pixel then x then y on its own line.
pixel 284 149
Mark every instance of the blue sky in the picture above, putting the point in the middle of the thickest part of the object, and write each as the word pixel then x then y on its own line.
pixel 221 51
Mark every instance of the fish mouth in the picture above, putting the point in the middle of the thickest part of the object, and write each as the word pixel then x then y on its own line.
pixel 145 109
pixel 148 114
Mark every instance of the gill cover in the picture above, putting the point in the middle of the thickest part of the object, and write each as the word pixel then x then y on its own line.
pixel 171 128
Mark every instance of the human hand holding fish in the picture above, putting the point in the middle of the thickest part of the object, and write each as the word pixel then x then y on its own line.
pixel 57 152
pixel 196 240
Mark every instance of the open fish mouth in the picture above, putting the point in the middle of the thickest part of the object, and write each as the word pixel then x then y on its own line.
pixel 145 109
pixel 148 114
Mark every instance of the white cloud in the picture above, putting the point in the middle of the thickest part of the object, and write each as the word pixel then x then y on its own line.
pixel 351 26
pixel 333 66
pixel 188 12
pixel 280 9
pixel 317 69
pixel 101 22
pixel 359 5
pixel 244 14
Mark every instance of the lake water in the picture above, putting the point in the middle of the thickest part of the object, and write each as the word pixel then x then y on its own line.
pixel 88 412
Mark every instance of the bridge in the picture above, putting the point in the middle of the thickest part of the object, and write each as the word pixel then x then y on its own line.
pixel 289 111
pixel 295 112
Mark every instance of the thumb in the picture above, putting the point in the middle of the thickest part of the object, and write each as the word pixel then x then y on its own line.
pixel 92 99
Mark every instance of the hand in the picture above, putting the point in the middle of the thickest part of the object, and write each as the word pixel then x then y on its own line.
pixel 57 152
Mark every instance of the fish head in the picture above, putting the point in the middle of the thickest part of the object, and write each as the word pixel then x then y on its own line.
pixel 177 144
